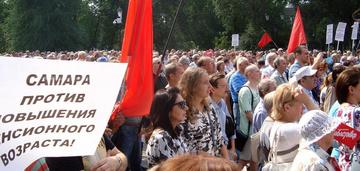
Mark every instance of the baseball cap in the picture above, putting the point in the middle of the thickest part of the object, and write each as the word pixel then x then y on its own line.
pixel 301 73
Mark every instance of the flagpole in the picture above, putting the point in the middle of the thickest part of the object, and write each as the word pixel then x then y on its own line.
pixel 167 40
pixel 171 32
pixel 275 44
pixel 353 44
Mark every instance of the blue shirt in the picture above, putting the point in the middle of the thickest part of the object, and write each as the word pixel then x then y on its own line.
pixel 293 68
pixel 259 116
pixel 332 113
pixel 237 80
pixel 309 93
pixel 334 108
pixel 222 111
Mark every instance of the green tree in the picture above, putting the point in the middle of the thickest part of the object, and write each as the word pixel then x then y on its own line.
pixel 44 25
pixel 3 14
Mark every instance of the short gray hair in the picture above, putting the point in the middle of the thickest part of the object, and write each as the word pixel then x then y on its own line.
pixel 264 86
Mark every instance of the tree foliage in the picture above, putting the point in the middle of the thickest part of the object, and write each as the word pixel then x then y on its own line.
pixel 86 24
pixel 43 25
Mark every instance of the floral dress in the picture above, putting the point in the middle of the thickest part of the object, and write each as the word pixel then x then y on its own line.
pixel 348 158
pixel 162 146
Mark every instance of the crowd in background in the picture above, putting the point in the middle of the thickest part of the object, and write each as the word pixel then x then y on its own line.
pixel 235 109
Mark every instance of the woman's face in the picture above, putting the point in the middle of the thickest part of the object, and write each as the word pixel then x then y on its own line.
pixel 355 91
pixel 178 111
pixel 203 87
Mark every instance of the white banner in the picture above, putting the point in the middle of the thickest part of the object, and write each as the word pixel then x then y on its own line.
pixel 340 32
pixel 329 33
pixel 235 40
pixel 355 29
pixel 52 108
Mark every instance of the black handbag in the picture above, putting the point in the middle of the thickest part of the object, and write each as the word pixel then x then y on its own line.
pixel 241 139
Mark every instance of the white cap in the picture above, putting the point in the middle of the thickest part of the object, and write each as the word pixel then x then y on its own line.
pixel 302 72
pixel 316 124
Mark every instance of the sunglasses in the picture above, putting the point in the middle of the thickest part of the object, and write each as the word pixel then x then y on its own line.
pixel 181 104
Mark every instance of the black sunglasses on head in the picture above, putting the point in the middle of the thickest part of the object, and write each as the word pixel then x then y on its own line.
pixel 181 104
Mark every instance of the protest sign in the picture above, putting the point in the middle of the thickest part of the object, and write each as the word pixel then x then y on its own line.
pixel 329 33
pixel 235 40
pixel 340 32
pixel 53 108
pixel 347 135
pixel 355 29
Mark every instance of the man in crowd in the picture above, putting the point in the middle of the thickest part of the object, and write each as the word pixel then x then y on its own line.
pixel 173 73
pixel 269 69
pixel 160 81
pixel 305 78
pixel 280 67
pixel 237 80
pixel 301 58
pixel 217 93
pixel 207 63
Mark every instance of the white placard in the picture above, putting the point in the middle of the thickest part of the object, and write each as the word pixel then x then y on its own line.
pixel 329 33
pixel 340 32
pixel 52 108
pixel 235 40
pixel 355 29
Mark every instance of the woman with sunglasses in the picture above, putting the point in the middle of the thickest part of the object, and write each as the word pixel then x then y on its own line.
pixel 167 111
pixel 202 130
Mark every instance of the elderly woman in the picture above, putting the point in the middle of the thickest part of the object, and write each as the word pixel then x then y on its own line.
pixel 167 111
pixel 287 110
pixel 348 93
pixel 265 86
pixel 317 130
pixel 202 129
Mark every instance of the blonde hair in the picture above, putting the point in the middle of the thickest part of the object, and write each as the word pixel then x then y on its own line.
pixel 188 84
pixel 196 163
pixel 283 95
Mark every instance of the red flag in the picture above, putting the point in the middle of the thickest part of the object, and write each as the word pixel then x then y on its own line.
pixel 297 36
pixel 137 50
pixel 265 39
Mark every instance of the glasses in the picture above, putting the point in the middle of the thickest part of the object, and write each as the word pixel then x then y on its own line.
pixel 181 104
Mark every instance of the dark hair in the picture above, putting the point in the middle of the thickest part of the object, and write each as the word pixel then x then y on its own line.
pixel 336 71
pixel 349 77
pixel 161 106
pixel 213 79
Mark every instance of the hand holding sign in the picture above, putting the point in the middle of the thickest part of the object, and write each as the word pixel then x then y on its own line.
pixel 347 135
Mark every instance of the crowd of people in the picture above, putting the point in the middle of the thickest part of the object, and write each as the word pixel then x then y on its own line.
pixel 230 110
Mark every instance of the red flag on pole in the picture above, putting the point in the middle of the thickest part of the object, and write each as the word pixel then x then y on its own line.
pixel 265 39
pixel 297 36
pixel 137 51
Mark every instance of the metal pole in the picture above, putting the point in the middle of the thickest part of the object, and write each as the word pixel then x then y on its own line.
pixel 337 47
pixel 275 44
pixel 169 36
